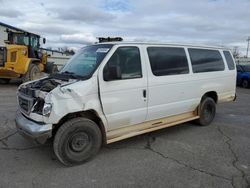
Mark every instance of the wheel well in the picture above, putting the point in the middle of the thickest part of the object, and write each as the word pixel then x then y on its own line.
pixel 36 62
pixel 245 78
pixel 91 114
pixel 211 94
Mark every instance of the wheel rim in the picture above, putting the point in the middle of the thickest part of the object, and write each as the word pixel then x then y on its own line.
pixel 208 112
pixel 79 142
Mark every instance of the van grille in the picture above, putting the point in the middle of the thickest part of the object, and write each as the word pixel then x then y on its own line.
pixel 25 103
pixel 2 56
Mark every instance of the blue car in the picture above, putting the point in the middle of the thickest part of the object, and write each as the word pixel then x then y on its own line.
pixel 243 75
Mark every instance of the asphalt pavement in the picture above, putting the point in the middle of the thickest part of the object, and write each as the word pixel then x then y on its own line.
pixel 186 155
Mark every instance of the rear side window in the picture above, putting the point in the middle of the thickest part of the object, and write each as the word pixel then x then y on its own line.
pixel 167 61
pixel 206 60
pixel 229 59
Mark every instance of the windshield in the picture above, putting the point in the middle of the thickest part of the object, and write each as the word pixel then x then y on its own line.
pixel 246 68
pixel 85 62
pixel 34 42
pixel 27 40
pixel 20 39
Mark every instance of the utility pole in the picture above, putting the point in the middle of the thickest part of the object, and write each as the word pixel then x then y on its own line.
pixel 248 40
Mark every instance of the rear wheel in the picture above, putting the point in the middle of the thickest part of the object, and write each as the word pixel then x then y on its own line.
pixel 54 69
pixel 33 73
pixel 4 80
pixel 245 83
pixel 207 111
pixel 77 141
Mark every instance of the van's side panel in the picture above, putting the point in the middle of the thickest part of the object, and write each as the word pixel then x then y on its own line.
pixel 177 94
pixel 222 82
pixel 229 89
pixel 169 95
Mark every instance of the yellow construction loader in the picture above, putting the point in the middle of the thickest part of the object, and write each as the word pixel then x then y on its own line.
pixel 22 57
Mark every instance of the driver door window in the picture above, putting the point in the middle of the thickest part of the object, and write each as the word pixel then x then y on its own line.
pixel 125 63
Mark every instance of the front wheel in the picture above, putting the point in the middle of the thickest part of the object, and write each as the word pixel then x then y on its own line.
pixel 207 112
pixel 77 141
pixel 33 73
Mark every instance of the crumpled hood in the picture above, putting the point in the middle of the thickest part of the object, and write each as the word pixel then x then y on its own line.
pixel 44 85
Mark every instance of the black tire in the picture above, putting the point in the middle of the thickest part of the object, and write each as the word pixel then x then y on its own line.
pixel 207 110
pixel 54 69
pixel 77 141
pixel 4 80
pixel 33 73
pixel 245 83
pixel 51 68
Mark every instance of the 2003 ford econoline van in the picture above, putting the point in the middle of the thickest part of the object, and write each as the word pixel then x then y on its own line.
pixel 115 90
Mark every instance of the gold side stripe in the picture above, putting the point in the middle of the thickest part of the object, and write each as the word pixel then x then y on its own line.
pixel 134 130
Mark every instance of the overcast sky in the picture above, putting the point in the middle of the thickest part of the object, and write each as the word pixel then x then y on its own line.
pixel 75 23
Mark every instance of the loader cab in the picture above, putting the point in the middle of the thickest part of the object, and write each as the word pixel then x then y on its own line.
pixel 27 39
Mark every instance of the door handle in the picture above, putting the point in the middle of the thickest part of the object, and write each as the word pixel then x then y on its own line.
pixel 144 93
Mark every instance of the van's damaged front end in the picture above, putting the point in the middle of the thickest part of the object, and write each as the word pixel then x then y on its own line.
pixel 38 108
pixel 43 103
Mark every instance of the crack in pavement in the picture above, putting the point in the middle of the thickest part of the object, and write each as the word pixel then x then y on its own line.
pixel 149 147
pixel 236 159
pixel 6 137
pixel 21 149
pixel 6 147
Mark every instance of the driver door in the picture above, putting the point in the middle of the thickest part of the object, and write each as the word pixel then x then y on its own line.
pixel 123 87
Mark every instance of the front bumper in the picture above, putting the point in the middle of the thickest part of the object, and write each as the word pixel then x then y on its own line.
pixel 33 130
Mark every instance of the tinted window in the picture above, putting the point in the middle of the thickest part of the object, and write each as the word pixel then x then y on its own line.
pixel 246 68
pixel 229 59
pixel 126 61
pixel 167 61
pixel 206 60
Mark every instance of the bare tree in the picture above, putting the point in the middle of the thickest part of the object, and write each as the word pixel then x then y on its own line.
pixel 66 50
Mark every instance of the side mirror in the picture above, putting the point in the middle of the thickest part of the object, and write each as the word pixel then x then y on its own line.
pixel 44 40
pixel 111 73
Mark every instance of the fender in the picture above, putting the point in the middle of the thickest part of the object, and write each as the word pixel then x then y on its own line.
pixel 35 61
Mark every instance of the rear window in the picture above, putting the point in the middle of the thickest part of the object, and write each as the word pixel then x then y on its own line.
pixel 167 61
pixel 229 59
pixel 204 60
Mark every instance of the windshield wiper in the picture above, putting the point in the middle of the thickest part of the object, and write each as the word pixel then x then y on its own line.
pixel 72 75
pixel 67 75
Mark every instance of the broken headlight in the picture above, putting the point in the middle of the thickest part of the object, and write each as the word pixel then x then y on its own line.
pixel 47 109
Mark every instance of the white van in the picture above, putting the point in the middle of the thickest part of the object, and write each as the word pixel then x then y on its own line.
pixel 115 90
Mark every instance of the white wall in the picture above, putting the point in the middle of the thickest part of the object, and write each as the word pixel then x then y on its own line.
pixel 3 35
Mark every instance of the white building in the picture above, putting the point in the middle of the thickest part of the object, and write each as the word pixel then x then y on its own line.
pixel 3 34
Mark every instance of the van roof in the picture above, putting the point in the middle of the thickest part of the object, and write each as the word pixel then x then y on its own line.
pixel 171 44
